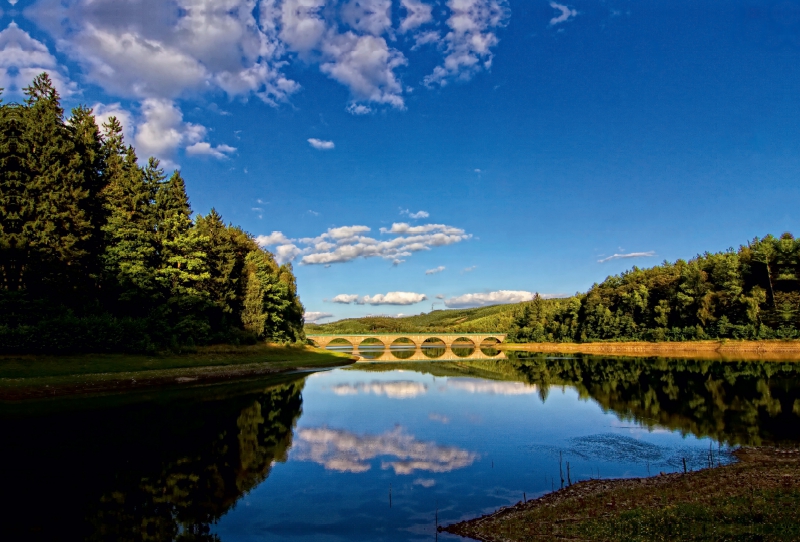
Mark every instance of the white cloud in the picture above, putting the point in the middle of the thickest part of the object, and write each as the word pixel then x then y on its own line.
pixel 493 298
pixel 22 58
pixel 348 243
pixel 314 317
pixel 468 43
pixel 178 49
pixel 404 228
pixel 439 296
pixel 103 112
pixel 647 254
pixel 344 451
pixel 371 16
pixel 275 238
pixel 287 253
pixel 441 418
pixel 320 144
pixel 394 298
pixel 166 49
pixel 365 64
pixel 417 14
pixel 345 299
pixel 469 269
pixel 424 482
pixel 359 109
pixel 418 214
pixel 162 130
pixel 471 385
pixel 401 389
pixel 203 148
pixel 391 298
pixel 435 270
pixel 565 15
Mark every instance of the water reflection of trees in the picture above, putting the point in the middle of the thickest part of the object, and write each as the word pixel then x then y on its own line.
pixel 746 403
pixel 157 473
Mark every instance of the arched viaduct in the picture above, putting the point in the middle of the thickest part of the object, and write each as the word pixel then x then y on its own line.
pixel 387 339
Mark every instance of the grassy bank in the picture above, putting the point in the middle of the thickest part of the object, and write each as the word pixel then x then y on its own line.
pixel 757 498
pixel 23 377
pixel 725 349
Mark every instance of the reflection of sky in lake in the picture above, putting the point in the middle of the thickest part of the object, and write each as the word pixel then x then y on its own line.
pixel 464 445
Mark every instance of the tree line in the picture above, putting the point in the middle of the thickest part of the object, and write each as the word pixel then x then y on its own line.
pixel 749 293
pixel 99 253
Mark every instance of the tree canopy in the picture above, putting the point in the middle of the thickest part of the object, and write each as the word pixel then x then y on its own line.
pixel 98 252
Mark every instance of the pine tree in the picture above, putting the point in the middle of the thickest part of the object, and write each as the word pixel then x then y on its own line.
pixel 130 255
pixel 56 227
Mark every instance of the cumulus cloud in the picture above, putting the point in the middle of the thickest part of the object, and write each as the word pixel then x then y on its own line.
pixel 103 112
pixel 162 130
pixel 471 385
pixel 321 144
pixel 435 270
pixel 647 254
pixel 394 298
pixel 171 49
pixel 417 14
pixel 166 49
pixel 347 243
pixel 23 57
pixel 345 299
pixel 468 44
pixel 565 15
pixel 203 148
pixel 418 214
pixel 493 298
pixel 313 317
pixel 400 389
pixel 275 238
pixel 344 451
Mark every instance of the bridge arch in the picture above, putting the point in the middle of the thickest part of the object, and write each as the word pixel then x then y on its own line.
pixel 433 347
pixel 403 347
pixel 463 347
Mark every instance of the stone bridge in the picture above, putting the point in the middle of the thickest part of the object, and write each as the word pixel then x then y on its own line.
pixel 464 340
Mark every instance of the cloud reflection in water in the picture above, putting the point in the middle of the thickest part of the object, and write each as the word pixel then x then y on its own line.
pixel 344 451
pixel 471 385
pixel 400 389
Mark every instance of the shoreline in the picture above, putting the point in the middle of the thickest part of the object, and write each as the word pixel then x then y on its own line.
pixel 206 366
pixel 685 503
pixel 720 349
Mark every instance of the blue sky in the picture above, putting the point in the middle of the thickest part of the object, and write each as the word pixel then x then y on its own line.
pixel 420 153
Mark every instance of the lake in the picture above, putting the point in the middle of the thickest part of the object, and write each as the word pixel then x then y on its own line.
pixel 374 451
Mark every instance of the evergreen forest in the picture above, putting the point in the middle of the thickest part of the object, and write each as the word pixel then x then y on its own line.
pixel 101 253
pixel 750 293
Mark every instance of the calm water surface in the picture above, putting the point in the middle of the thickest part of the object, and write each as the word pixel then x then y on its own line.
pixel 375 451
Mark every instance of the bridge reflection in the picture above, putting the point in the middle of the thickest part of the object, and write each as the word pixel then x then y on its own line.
pixel 415 346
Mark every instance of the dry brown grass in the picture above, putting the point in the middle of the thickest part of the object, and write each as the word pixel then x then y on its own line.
pixel 721 350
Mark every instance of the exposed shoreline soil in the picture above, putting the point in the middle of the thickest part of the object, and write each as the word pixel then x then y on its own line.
pixel 103 383
pixel 599 509
pixel 733 350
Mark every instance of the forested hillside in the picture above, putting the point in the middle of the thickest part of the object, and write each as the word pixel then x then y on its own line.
pixel 749 293
pixel 99 253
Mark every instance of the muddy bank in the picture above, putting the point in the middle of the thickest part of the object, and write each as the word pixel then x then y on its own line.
pixel 13 390
pixel 758 494
pixel 733 350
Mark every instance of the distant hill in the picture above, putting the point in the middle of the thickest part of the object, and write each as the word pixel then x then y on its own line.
pixel 495 318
